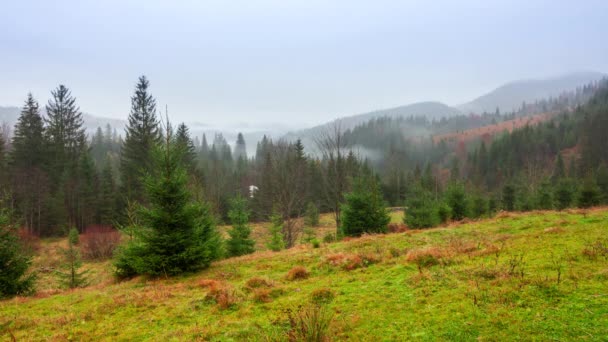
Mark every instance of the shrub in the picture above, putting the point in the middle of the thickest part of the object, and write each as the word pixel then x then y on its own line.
pixel 257 282
pixel 297 273
pixel 315 243
pixel 262 295
pixel 396 228
pixel 29 241
pixel 220 293
pixel 425 258
pixel 329 237
pixel 351 262
pixel 99 242
pixel 322 296
pixel 310 323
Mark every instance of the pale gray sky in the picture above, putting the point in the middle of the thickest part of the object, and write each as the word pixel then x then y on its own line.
pixel 289 62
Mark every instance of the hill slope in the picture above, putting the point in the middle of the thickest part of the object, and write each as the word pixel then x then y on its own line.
pixel 536 276
pixel 510 96
pixel 432 110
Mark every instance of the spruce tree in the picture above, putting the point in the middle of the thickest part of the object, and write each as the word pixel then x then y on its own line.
pixel 421 209
pixel 107 200
pixel 364 210
pixel 602 182
pixel 508 197
pixel 456 198
pixel 28 166
pixel 564 194
pixel 311 216
pixel 544 196
pixel 240 149
pixel 178 234
pixel 142 134
pixel 239 242
pixel 589 195
pixel 70 275
pixel 14 262
pixel 184 142
pixel 276 242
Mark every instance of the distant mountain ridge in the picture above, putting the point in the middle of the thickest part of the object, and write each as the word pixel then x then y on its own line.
pixel 509 97
pixel 430 109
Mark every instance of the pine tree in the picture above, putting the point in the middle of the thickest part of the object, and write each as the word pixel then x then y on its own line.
pixel 14 263
pixel 564 193
pixel 589 195
pixel 107 200
pixel 276 242
pixel 364 210
pixel 239 242
pixel 184 142
pixel 508 197
pixel 28 166
pixel 457 200
pixel 311 216
pixel 240 149
pixel 178 234
pixel 66 139
pixel 71 276
pixel 421 209
pixel 142 135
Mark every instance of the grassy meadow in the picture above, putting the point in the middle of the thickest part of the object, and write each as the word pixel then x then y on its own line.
pixel 528 276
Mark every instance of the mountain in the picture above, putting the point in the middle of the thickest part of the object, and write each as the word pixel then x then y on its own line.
pixel 432 110
pixel 510 96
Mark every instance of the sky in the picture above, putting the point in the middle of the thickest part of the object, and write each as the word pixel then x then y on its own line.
pixel 289 63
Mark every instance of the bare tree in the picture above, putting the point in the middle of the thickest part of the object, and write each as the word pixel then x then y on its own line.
pixel 289 173
pixel 332 146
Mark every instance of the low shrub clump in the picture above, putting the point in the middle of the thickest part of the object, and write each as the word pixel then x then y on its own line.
pixel 351 262
pixel 322 296
pixel 426 257
pixel 99 242
pixel 297 273
pixel 397 228
pixel 257 282
pixel 310 323
pixel 220 293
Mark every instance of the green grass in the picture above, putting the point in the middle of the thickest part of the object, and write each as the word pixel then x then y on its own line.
pixel 489 280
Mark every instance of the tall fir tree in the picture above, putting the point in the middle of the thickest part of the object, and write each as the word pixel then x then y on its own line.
pixel 178 233
pixel 28 166
pixel 185 143
pixel 239 242
pixel 240 149
pixel 14 263
pixel 142 134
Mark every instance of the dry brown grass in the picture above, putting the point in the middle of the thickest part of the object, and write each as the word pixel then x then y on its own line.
pixel 427 257
pixel 298 273
pixel 554 230
pixel 219 292
pixel 258 282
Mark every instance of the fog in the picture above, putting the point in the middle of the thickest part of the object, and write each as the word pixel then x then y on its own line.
pixel 259 65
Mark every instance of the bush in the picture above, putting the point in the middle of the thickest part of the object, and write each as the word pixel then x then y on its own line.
pixel 364 210
pixel 315 243
pixel 322 296
pixel 29 241
pixel 310 323
pixel 297 273
pixel 99 242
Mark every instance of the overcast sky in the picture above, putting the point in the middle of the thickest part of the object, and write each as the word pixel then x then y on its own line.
pixel 289 62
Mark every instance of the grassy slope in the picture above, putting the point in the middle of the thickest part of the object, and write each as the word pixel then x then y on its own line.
pixel 470 295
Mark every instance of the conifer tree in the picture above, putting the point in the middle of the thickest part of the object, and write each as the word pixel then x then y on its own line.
pixel 178 234
pixel 457 200
pixel 141 136
pixel 564 194
pixel 14 263
pixel 28 166
pixel 276 242
pixel 311 216
pixel 184 142
pixel 71 276
pixel 239 242
pixel 602 182
pixel 544 196
pixel 508 197
pixel 589 195
pixel 107 200
pixel 364 210
pixel 240 149
pixel 421 209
